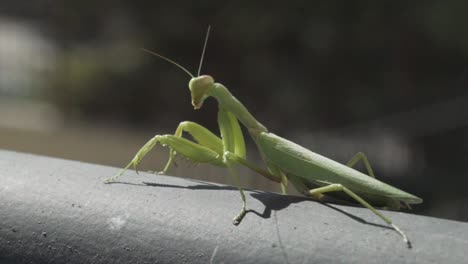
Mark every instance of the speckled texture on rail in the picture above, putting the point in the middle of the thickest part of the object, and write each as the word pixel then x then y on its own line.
pixel 59 211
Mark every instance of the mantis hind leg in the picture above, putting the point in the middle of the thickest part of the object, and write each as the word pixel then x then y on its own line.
pixel 361 156
pixel 339 187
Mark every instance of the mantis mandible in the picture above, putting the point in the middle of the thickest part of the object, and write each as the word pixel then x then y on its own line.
pixel 310 173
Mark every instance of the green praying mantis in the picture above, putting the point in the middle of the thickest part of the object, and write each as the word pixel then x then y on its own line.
pixel 310 173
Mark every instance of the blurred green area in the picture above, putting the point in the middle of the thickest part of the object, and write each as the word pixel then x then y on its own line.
pixel 386 77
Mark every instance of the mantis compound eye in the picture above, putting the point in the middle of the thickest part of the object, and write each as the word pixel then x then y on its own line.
pixel 199 88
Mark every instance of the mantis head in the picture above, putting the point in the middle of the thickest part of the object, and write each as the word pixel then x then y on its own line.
pixel 199 89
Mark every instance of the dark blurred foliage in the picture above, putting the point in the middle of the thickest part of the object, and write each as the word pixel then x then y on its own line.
pixel 300 66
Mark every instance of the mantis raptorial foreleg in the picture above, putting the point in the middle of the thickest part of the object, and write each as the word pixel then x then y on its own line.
pixel 206 138
pixel 361 156
pixel 233 142
pixel 339 187
pixel 192 151
pixel 231 133
pixel 200 134
pixel 206 146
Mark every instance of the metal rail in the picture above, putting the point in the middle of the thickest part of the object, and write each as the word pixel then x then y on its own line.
pixel 59 211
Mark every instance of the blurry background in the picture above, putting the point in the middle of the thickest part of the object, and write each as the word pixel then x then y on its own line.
pixel 386 78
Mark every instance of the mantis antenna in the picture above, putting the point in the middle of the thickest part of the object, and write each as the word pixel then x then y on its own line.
pixel 204 48
pixel 169 60
pixel 177 64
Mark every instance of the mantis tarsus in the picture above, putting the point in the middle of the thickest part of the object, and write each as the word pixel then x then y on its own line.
pixel 309 172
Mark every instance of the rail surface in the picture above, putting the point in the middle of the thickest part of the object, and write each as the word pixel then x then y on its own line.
pixel 59 211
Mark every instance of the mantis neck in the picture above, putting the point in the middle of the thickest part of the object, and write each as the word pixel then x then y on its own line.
pixel 230 103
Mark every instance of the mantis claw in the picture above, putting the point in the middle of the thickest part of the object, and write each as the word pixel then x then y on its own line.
pixel 405 238
pixel 236 221
pixel 115 177
pixel 112 179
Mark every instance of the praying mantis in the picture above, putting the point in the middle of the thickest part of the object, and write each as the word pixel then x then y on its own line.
pixel 286 162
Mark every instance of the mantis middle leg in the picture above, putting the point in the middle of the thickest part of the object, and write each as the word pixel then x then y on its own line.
pixel 361 156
